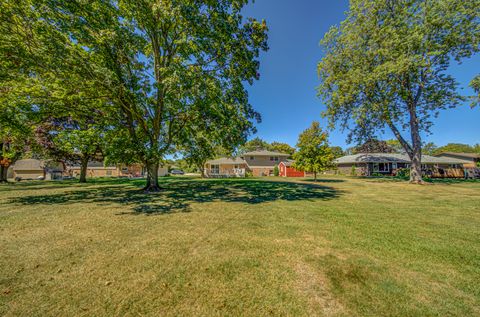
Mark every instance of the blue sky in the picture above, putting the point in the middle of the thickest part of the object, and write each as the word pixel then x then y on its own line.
pixel 285 94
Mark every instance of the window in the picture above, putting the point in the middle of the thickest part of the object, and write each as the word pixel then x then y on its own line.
pixel 251 158
pixel 109 173
pixel 236 166
pixel 381 167
pixel 124 169
pixel 276 158
pixel 271 158
pixel 394 166
pixel 215 169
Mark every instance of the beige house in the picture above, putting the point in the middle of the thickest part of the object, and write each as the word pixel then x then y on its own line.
pixel 259 163
pixel 368 164
pixel 29 169
pixel 471 159
pixel 97 169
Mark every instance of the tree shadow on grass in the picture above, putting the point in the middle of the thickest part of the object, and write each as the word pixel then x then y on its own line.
pixel 178 195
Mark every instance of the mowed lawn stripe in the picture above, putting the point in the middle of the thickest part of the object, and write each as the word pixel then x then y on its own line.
pixel 344 246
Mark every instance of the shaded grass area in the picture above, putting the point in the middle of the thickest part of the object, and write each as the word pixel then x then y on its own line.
pixel 178 194
pixel 338 247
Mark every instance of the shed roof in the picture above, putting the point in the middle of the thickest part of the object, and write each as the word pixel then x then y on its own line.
pixel 394 157
pixel 264 153
pixel 288 163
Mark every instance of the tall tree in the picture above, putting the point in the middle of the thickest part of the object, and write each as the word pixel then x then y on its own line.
pixel 164 65
pixel 313 151
pixel 455 147
pixel 373 146
pixel 337 151
pixel 429 148
pixel 282 148
pixel 15 136
pixel 255 144
pixel 475 84
pixel 386 66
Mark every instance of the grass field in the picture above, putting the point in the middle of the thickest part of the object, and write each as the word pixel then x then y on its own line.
pixel 250 247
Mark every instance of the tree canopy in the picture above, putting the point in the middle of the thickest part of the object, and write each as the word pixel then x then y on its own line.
pixel 386 66
pixel 313 151
pixel 282 148
pixel 171 70
pixel 374 146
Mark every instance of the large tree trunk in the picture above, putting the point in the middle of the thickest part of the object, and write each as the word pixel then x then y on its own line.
pixel 416 154
pixel 3 173
pixel 83 169
pixel 152 177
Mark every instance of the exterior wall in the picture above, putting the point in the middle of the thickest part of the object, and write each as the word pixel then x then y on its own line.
pixel 346 169
pixel 227 170
pixel 33 174
pixel 97 172
pixel 263 161
pixel 261 171
pixel 162 171
pixel 288 171
pixel 10 172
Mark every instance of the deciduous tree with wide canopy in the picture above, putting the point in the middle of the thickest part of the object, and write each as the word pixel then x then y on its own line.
pixel 164 66
pixel 386 66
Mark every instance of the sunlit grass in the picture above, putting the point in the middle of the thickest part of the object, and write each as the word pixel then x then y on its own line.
pixel 256 247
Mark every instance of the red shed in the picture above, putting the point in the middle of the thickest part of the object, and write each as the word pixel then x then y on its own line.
pixel 286 169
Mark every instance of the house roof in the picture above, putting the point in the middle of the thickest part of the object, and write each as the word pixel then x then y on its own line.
pixel 227 161
pixel 394 157
pixel 288 163
pixel 467 155
pixel 28 165
pixel 264 153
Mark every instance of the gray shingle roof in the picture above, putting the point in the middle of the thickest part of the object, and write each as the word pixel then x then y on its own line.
pixel 468 155
pixel 227 161
pixel 394 157
pixel 265 153
pixel 28 165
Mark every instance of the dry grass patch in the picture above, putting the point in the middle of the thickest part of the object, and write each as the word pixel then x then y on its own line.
pixel 240 247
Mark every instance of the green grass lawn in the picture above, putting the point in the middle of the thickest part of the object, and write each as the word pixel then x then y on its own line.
pixel 252 247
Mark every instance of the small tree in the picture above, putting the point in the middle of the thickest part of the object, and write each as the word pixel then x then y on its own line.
pixel 314 153
pixel 353 171
pixel 276 171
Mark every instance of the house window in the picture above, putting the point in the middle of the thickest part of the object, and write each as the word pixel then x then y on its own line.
pixel 381 167
pixel 251 158
pixel 124 169
pixel 394 166
pixel 276 158
pixel 109 173
pixel 236 166
pixel 215 169
pixel 271 158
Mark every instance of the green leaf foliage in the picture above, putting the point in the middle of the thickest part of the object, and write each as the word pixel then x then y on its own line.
pixel 313 151
pixel 386 66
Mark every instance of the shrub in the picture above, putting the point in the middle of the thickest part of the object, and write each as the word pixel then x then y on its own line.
pixel 353 172
pixel 276 172
pixel 248 174
pixel 403 173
